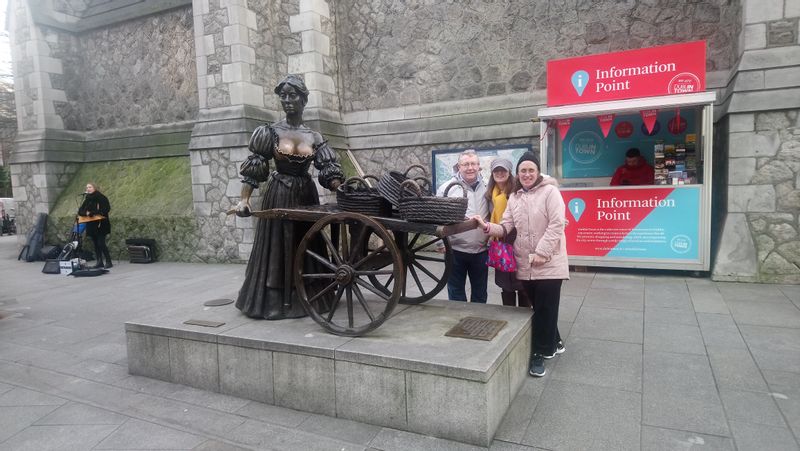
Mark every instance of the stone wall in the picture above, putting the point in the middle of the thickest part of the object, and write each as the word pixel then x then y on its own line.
pixel 138 72
pixel 764 185
pixel 36 187
pixel 377 161
pixel 273 43
pixel 216 188
pixel 406 53
pixel 24 92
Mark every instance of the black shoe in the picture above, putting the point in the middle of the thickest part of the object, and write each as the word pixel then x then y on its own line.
pixel 98 266
pixel 559 350
pixel 109 265
pixel 537 366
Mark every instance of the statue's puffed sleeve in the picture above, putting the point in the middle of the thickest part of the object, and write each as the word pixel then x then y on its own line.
pixel 255 169
pixel 327 163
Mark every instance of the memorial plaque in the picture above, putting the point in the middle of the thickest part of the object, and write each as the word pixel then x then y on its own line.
pixel 204 323
pixel 476 328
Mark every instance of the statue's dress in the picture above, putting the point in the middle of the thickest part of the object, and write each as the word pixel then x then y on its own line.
pixel 264 293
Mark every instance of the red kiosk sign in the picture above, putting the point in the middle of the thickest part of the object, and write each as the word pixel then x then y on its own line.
pixel 654 71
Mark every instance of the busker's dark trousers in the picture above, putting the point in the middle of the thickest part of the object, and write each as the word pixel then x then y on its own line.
pixel 474 266
pixel 545 296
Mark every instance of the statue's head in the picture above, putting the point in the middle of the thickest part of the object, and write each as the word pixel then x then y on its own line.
pixel 296 82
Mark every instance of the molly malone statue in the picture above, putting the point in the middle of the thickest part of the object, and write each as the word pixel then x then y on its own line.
pixel 293 147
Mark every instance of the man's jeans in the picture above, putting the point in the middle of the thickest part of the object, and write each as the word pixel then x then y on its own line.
pixel 474 266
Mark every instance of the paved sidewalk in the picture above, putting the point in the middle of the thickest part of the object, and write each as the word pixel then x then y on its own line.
pixel 657 363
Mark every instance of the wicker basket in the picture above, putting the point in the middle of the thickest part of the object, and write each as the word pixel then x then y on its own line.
pixel 432 209
pixel 389 185
pixel 356 196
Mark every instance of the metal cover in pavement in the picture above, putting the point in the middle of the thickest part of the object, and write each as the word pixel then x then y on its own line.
pixel 476 328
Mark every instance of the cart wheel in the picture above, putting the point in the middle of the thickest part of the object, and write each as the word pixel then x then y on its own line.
pixel 425 268
pixel 336 243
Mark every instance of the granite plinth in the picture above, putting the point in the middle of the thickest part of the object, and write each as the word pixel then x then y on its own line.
pixel 406 374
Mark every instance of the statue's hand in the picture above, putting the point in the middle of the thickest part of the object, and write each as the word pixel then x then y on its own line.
pixel 243 208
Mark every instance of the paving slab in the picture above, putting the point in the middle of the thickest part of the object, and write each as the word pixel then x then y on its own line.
pixel 77 413
pixel 43 438
pixel 751 407
pixel 25 397
pixel 755 437
pixel 660 439
pixel 756 293
pixel 394 440
pixel 519 414
pixel 602 363
pixel 615 298
pixel 265 436
pixel 618 281
pixel 269 413
pixel 705 296
pixel 777 314
pixel 661 315
pixel 774 348
pixel 340 429
pixel 577 416
pixel 70 352
pixel 735 369
pixel 135 434
pixel 14 419
pixel 609 324
pixel 677 338
pixel 667 292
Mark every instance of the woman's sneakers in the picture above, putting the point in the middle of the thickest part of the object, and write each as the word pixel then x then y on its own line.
pixel 559 350
pixel 537 366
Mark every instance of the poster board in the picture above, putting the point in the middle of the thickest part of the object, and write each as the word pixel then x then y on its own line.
pixel 635 223
pixel 443 161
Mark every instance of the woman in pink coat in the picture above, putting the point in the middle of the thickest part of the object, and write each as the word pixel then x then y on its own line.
pixel 536 210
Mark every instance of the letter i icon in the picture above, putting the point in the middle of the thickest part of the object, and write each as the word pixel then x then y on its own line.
pixel 576 207
pixel 579 81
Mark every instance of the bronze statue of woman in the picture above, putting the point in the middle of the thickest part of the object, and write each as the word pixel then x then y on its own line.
pixel 267 291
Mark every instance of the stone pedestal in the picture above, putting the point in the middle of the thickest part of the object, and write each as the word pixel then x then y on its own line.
pixel 406 374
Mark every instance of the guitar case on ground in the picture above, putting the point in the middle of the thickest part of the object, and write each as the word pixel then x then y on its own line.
pixel 32 250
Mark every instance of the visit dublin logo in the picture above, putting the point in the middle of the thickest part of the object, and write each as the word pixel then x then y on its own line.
pixel 680 244
pixel 579 81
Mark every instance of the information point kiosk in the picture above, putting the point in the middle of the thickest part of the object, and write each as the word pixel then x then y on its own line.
pixel 643 208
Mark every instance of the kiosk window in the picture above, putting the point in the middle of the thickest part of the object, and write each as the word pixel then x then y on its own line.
pixel 672 149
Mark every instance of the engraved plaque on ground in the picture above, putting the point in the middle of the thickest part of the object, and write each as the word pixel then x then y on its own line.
pixel 476 328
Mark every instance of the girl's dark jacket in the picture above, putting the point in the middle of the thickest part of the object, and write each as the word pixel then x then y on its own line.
pixel 96 204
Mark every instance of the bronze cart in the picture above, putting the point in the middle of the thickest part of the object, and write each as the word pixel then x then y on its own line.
pixel 365 255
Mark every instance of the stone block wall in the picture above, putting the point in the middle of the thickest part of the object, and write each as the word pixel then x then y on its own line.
pixel 763 198
pixel 36 186
pixel 407 53
pixel 138 72
pixel 216 186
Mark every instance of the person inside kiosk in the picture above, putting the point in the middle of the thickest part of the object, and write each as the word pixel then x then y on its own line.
pixel 635 171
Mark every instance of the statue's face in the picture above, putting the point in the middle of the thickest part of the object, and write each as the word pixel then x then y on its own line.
pixel 291 100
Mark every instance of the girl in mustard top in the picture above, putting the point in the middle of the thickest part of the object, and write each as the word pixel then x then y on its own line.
pixel 501 185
